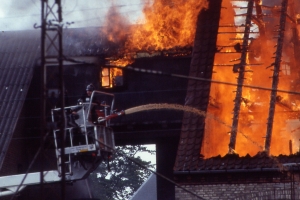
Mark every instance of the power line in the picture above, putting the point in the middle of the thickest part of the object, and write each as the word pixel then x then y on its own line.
pixel 73 8
pixel 156 72
pixel 81 10
pixel 89 9
pixel 35 4
pixel 102 18
pixel 162 176
pixel 150 170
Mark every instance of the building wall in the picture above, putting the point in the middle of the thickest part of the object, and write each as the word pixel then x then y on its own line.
pixel 262 191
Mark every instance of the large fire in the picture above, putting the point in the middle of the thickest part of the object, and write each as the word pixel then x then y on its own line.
pixel 171 24
pixel 166 25
pixel 255 103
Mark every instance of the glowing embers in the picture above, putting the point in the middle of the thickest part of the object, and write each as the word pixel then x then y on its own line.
pixel 121 62
pixel 111 77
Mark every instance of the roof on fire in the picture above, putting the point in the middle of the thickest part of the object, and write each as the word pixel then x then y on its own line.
pixel 189 158
pixel 19 52
pixel 233 162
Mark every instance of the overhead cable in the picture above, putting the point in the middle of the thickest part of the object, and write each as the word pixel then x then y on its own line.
pixel 203 79
pixel 152 171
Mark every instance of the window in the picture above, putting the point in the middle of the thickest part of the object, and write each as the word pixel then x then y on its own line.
pixel 111 77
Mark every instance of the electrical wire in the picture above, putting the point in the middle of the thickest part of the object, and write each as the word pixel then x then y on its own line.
pixel 125 155
pixel 35 4
pixel 81 10
pixel 120 152
pixel 150 170
pixel 156 72
pixel 89 9
pixel 72 9
pixel 129 158
pixel 101 19
pixel 162 176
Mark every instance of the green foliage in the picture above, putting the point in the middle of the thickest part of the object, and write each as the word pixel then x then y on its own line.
pixel 124 177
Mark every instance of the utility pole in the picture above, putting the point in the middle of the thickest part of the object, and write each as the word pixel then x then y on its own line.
pixel 52 55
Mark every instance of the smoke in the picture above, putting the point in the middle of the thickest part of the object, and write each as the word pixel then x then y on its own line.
pixel 116 26
pixel 18 15
pixel 22 15
pixel 271 2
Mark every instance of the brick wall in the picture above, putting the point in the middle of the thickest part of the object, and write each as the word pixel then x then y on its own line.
pixel 261 191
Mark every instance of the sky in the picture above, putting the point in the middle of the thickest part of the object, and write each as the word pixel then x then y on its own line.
pixel 148 156
pixel 23 14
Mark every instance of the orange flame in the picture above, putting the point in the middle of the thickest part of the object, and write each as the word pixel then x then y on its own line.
pixel 167 24
pixel 255 106
pixel 171 24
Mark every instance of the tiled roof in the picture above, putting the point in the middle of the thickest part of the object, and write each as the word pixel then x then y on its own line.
pixel 233 162
pixel 198 92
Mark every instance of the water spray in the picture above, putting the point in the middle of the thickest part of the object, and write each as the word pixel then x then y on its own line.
pixel 167 106
pixel 152 107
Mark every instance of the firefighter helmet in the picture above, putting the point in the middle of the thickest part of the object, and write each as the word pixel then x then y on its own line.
pixel 90 87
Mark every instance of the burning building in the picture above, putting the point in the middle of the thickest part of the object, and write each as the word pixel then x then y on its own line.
pixel 236 145
pixel 255 45
pixel 245 59
pixel 236 62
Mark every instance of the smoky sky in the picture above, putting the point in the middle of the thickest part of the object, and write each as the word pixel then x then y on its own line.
pixel 278 3
pixel 23 14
